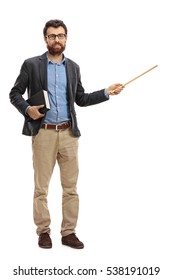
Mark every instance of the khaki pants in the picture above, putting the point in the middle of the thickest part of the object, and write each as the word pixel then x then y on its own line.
pixel 48 147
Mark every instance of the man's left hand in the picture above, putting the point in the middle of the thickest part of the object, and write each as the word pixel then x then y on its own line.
pixel 115 89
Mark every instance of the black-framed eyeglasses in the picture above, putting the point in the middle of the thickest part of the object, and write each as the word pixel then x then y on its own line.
pixel 60 36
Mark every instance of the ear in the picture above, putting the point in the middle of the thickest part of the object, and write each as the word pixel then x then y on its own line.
pixel 45 39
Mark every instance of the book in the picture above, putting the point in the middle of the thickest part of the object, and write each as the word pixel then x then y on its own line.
pixel 40 98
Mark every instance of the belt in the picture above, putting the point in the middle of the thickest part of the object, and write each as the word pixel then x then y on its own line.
pixel 56 126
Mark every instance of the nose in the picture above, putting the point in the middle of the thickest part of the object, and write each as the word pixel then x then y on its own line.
pixel 56 39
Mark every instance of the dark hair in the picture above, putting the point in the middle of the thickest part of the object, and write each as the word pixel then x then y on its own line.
pixel 54 23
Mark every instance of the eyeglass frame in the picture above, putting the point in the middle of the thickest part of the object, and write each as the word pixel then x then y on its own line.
pixel 64 36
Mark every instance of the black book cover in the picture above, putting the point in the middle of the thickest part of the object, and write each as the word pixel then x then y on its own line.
pixel 40 98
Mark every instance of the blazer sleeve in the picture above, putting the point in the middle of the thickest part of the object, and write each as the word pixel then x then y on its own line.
pixel 19 88
pixel 87 99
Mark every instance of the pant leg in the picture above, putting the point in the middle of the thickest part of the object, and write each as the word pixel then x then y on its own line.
pixel 44 146
pixel 68 163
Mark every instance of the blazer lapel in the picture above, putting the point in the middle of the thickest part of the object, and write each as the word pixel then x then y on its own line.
pixel 43 70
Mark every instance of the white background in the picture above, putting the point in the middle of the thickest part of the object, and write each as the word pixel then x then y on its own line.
pixel 125 152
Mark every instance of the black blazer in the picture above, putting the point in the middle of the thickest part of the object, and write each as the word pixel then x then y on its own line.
pixel 33 77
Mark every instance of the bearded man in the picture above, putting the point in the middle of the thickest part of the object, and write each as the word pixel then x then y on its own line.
pixel 55 134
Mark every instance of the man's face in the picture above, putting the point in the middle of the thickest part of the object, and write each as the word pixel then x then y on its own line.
pixel 56 45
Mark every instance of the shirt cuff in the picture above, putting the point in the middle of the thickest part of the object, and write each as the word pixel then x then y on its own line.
pixel 106 94
pixel 27 110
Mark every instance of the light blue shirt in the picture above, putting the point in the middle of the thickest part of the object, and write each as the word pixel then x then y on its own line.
pixel 57 91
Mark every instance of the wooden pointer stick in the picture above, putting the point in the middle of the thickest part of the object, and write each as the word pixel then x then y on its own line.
pixel 140 75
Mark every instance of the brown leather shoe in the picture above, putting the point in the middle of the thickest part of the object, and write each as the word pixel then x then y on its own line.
pixel 45 241
pixel 72 241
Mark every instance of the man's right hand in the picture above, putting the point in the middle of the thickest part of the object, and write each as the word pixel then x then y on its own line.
pixel 34 113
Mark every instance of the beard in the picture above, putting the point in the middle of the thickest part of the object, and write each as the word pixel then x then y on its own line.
pixel 56 49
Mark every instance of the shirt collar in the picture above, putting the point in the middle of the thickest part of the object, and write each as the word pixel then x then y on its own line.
pixel 60 62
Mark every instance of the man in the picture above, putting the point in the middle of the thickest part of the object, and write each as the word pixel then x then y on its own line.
pixel 55 134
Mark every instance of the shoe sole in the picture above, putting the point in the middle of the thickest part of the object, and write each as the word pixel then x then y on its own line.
pixel 45 247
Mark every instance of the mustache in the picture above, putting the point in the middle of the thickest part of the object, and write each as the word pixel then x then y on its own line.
pixel 57 44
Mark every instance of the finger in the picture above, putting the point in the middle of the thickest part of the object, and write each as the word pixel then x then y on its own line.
pixel 116 91
pixel 39 106
pixel 37 116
